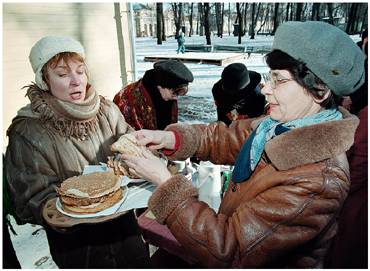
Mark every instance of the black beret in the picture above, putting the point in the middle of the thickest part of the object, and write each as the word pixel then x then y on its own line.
pixel 235 76
pixel 172 74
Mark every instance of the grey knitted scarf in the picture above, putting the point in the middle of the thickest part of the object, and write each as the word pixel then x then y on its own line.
pixel 66 118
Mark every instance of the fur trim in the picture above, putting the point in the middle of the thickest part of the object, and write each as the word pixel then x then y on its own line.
pixel 66 119
pixel 313 143
pixel 170 195
pixel 189 140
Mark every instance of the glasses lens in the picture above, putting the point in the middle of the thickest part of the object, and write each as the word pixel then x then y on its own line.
pixel 180 91
pixel 272 80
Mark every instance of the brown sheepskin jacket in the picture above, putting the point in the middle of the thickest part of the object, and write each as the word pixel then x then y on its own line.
pixel 284 216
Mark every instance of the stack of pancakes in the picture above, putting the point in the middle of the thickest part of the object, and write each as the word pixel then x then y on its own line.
pixel 90 193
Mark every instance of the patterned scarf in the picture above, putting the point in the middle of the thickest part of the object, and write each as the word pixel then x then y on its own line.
pixel 252 149
pixel 66 118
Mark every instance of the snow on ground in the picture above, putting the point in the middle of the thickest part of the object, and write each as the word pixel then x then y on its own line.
pixel 30 242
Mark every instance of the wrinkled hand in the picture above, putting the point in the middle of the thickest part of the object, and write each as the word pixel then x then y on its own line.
pixel 149 168
pixel 156 139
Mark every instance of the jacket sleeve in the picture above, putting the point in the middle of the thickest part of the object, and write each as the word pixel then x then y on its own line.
pixel 32 181
pixel 282 214
pixel 117 120
pixel 214 142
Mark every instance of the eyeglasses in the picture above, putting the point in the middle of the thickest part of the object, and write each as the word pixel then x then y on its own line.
pixel 276 80
pixel 180 91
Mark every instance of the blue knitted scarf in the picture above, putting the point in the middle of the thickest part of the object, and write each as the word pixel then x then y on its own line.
pixel 252 149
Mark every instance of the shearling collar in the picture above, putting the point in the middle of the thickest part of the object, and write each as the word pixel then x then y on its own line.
pixel 311 144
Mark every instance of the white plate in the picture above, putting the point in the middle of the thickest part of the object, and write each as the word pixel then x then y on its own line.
pixel 126 180
pixel 109 211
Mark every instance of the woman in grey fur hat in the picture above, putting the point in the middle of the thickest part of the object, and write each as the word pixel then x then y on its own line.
pixel 65 127
pixel 291 173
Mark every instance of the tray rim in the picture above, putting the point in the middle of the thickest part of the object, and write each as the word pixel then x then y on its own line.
pixel 55 218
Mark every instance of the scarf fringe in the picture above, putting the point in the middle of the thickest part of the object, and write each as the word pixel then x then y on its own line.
pixel 61 125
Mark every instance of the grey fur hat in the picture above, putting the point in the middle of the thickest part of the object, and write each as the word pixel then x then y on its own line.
pixel 326 50
pixel 46 48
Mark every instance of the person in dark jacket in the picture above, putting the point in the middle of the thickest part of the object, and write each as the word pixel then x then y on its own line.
pixel 350 246
pixel 359 98
pixel 151 102
pixel 237 94
pixel 291 172
pixel 66 126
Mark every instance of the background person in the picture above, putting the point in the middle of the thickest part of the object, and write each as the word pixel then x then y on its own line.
pixel 237 94
pixel 65 127
pixel 350 246
pixel 181 43
pixel 151 102
pixel 291 174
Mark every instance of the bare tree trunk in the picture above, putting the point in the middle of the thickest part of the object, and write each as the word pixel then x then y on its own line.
pixel 239 16
pixel 276 19
pixel 206 23
pixel 254 18
pixel 222 19
pixel 159 22
pixel 357 29
pixel 364 17
pixel 351 19
pixel 229 19
pixel 315 16
pixel 330 13
pixel 245 26
pixel 291 12
pixel 218 18
pixel 304 12
pixel 163 28
pixel 191 19
pixel 287 12
pixel 298 14
pixel 201 19
pixel 265 19
pixel 177 14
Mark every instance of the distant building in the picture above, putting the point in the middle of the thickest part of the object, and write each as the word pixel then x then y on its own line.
pixel 145 16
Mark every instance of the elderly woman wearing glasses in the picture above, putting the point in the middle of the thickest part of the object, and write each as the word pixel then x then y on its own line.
pixel 151 102
pixel 291 173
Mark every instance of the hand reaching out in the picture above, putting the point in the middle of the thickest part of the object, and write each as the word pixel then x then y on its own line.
pixel 149 168
pixel 156 139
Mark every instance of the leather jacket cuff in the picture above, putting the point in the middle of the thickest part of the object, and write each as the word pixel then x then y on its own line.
pixel 169 195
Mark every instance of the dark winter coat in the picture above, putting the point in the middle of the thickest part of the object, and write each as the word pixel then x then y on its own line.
pixel 349 248
pixel 242 104
pixel 50 141
pixel 283 216
pixel 143 106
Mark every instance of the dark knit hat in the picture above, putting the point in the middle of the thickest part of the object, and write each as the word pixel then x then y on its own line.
pixel 326 50
pixel 172 74
pixel 235 76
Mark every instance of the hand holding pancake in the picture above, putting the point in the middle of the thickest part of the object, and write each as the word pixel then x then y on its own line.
pixel 155 140
pixel 148 167
pixel 126 144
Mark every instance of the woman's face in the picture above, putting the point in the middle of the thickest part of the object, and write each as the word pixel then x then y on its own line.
pixel 287 99
pixel 68 82
pixel 169 94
